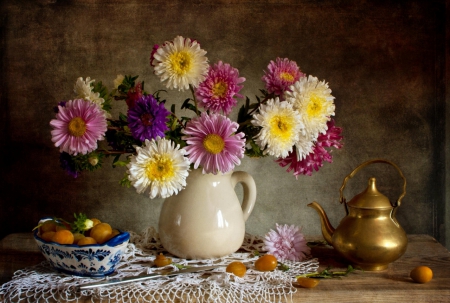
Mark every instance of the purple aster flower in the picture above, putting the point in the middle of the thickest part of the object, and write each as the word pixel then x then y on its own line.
pixel 78 126
pixel 68 164
pixel 280 75
pixel 286 243
pixel 218 91
pixel 213 143
pixel 56 108
pixel 314 160
pixel 147 119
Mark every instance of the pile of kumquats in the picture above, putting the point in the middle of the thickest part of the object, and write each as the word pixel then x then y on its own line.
pixel 82 231
pixel 87 231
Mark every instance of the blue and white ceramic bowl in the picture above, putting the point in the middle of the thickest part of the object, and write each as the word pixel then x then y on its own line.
pixel 95 260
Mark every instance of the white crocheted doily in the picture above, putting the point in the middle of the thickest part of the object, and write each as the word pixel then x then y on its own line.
pixel 41 283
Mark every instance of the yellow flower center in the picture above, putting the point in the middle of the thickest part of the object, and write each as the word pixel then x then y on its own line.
pixel 281 127
pixel 160 168
pixel 315 105
pixel 287 77
pixel 213 143
pixel 77 127
pixel 180 62
pixel 219 89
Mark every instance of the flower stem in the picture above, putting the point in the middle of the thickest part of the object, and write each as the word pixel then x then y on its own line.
pixel 257 107
pixel 195 99
pixel 327 273
pixel 178 120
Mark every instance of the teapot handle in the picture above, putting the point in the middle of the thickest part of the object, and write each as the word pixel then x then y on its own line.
pixel 399 200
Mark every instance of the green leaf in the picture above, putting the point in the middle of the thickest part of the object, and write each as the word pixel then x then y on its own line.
pixel 127 83
pixel 107 105
pixel 116 159
pixel 283 267
pixel 327 273
pixel 90 161
pixel 179 266
pixel 123 117
pixel 121 163
pixel 125 182
pixel 98 87
pixel 81 223
pixel 187 105
pixel 157 95
pixel 254 150
pixel 242 114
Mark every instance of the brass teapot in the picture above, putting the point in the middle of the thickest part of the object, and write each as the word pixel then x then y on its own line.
pixel 369 236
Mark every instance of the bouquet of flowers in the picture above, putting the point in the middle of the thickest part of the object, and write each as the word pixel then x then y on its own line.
pixel 290 120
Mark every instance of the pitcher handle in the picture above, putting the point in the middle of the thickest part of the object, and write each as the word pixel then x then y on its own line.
pixel 249 186
pixel 399 200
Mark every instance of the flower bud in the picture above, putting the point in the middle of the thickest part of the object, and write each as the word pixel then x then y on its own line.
pixel 93 160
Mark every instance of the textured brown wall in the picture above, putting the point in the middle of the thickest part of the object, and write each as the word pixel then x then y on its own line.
pixel 384 61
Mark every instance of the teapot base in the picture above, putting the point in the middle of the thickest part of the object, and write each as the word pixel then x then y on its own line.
pixel 371 267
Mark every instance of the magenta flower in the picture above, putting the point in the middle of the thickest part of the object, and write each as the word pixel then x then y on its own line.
pixel 133 95
pixel 147 119
pixel 152 59
pixel 280 75
pixel 218 91
pixel 286 243
pixel 79 124
pixel 314 160
pixel 212 142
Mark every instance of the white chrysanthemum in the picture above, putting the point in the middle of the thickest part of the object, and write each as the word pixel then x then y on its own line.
pixel 280 127
pixel 119 79
pixel 84 91
pixel 303 146
pixel 313 100
pixel 181 62
pixel 159 165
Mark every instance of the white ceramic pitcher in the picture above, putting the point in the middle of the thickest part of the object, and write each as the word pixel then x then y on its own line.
pixel 206 219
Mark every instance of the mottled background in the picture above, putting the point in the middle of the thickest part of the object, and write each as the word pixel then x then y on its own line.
pixel 385 62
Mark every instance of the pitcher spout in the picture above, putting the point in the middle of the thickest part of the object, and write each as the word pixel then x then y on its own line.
pixel 327 229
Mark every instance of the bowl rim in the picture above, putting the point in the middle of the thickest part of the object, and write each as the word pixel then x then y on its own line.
pixel 117 240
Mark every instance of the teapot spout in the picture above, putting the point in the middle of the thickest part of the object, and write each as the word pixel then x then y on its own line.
pixel 327 229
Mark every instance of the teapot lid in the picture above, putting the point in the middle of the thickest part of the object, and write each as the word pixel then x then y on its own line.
pixel 370 198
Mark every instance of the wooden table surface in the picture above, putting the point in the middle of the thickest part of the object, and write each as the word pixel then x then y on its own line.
pixel 392 285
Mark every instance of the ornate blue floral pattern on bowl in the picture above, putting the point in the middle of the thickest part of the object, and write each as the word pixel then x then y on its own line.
pixel 95 260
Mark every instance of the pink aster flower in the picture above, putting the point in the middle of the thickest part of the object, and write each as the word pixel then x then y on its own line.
pixel 280 75
pixel 314 160
pixel 218 91
pixel 213 143
pixel 286 243
pixel 78 126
